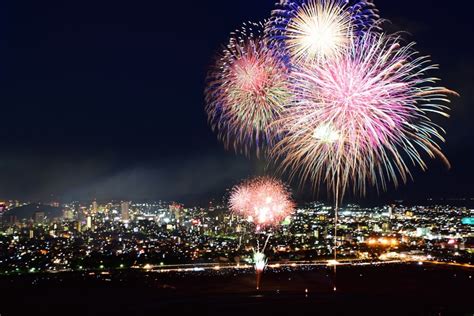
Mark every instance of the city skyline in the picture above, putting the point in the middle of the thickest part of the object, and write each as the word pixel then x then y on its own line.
pixel 123 232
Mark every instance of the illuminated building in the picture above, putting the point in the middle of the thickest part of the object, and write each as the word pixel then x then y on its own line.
pixel 125 212
pixel 468 221
pixel 12 219
pixel 68 215
pixel 153 235
pixel 422 232
pixel 176 210
pixel 39 217
pixel 3 207
pixel 89 222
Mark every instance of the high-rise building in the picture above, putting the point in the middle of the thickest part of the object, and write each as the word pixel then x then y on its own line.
pixel 89 222
pixel 39 217
pixel 13 219
pixel 175 210
pixel 3 207
pixel 386 227
pixel 94 207
pixel 79 226
pixel 79 213
pixel 68 214
pixel 125 211
pixel 316 234
pixel 390 211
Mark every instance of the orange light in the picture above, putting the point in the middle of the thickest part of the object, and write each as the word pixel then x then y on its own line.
pixel 383 241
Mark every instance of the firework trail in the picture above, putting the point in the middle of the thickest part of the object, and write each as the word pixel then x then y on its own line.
pixel 265 202
pixel 260 262
pixel 362 118
pixel 246 91
pixel 316 30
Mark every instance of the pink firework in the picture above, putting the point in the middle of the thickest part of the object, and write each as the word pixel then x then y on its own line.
pixel 264 201
pixel 247 90
pixel 362 117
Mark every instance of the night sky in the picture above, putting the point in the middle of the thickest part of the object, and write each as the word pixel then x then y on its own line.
pixel 104 99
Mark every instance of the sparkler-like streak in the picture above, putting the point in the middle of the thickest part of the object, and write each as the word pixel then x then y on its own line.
pixel 247 90
pixel 316 30
pixel 266 202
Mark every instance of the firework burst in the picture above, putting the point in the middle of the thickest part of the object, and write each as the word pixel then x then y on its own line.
pixel 362 118
pixel 315 30
pixel 247 90
pixel 264 201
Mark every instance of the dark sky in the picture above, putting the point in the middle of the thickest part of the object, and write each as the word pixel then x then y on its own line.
pixel 104 99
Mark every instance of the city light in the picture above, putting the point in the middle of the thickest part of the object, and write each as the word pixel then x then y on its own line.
pixel 226 240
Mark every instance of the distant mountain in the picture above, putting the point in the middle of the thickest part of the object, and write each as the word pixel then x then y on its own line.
pixel 28 211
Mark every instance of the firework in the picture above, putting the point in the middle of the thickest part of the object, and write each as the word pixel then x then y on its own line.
pixel 333 99
pixel 316 30
pixel 260 261
pixel 362 118
pixel 264 201
pixel 246 91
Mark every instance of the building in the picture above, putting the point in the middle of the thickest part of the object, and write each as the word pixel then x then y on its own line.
pixel 125 212
pixel 79 213
pixel 69 215
pixel 390 211
pixel 39 217
pixel 89 222
pixel 3 207
pixel 176 210
pixel 13 219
